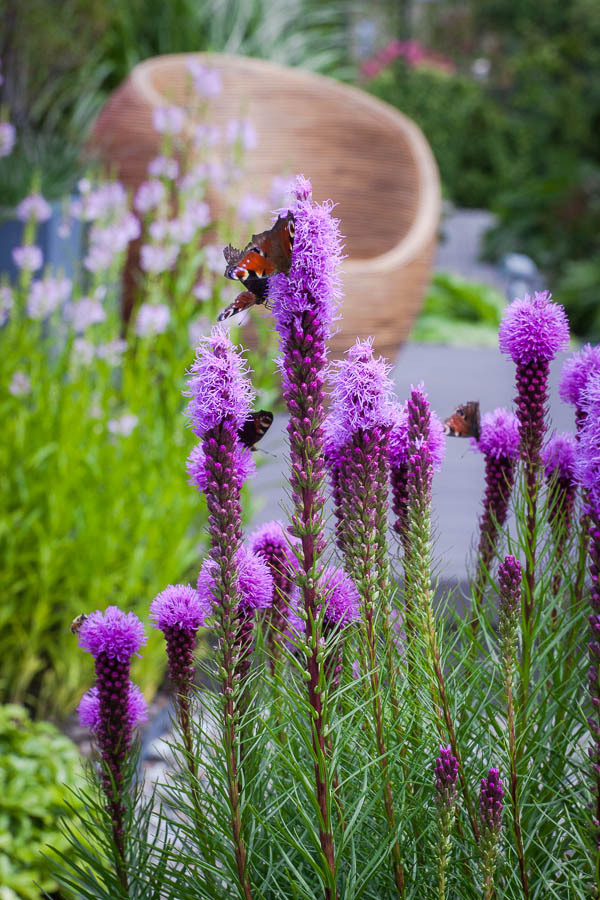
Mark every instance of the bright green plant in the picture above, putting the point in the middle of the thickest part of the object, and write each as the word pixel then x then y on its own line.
pixel 41 769
pixel 459 311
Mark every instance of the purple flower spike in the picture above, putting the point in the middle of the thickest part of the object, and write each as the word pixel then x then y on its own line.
pixel 499 443
pixel 491 804
pixel 446 775
pixel 588 455
pixel 218 385
pixel 560 463
pixel 362 393
pixel 255 583
pixel 509 582
pixel 245 466
pixel 113 634
pixel 399 471
pixel 89 708
pixel 271 543
pixel 576 372
pixel 426 443
pixel 313 283
pixel 178 611
pixel 559 456
pixel 532 332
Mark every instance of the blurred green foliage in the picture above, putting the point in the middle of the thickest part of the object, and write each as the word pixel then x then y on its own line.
pixel 460 312
pixel 524 143
pixel 40 770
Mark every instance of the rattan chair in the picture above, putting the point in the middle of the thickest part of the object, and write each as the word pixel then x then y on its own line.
pixel 365 155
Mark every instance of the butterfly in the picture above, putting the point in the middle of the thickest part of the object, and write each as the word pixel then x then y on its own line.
pixel 267 254
pixel 465 421
pixel 255 427
pixel 77 622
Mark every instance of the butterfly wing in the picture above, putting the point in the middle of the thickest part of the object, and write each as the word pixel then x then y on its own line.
pixel 266 254
pixel 243 301
pixel 255 427
pixel 465 421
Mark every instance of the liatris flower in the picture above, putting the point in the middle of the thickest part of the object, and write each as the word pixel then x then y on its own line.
pixel 588 473
pixel 89 708
pixel 509 582
pixel 270 543
pixel 398 457
pixel 576 372
pixel 559 458
pixel 245 466
pixel 220 401
pixel 112 638
pixel 499 443
pixel 490 818
pixel 532 332
pixel 446 775
pixel 179 611
pixel 305 303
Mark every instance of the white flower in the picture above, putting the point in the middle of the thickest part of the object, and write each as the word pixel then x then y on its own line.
pixel 124 425
pixel 34 207
pixel 112 351
pixel 168 119
pixel 6 303
pixel 30 257
pixel 20 385
pixel 84 313
pixel 152 319
pixel 83 351
pixel 46 295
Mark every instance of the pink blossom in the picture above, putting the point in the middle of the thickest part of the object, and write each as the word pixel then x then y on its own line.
pixel 168 119
pixel 242 130
pixel 109 201
pixel 46 295
pixel 29 257
pixel 7 138
pixel 165 167
pixel 149 195
pixel 206 135
pixel 158 259
pixel 112 351
pixel 83 351
pixel 20 385
pixel 207 82
pixel 152 319
pixel 198 213
pixel 251 207
pixel 34 207
pixel 213 258
pixel 84 313
pixel 124 425
pixel 202 291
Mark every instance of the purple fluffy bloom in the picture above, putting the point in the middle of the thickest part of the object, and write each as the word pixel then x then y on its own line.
pixel 509 583
pixel 426 444
pixel 534 329
pixel 218 385
pixel 340 598
pixel 178 606
pixel 362 393
pixel 313 283
pixel 255 584
pixel 588 468
pixel 34 208
pixel 560 464
pixel 89 708
pixel 179 611
pixel 588 455
pixel 446 775
pixel 491 804
pixel 245 466
pixel 113 634
pixel 576 372
pixel 559 456
pixel 499 443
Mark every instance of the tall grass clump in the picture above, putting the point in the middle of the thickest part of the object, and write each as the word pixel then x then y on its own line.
pixel 360 738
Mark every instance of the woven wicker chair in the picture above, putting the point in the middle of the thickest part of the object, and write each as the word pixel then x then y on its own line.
pixel 362 153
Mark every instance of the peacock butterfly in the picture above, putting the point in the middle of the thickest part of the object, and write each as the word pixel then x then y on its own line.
pixel 255 427
pixel 268 253
pixel 465 421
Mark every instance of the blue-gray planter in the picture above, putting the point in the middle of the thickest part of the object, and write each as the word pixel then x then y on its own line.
pixel 60 253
